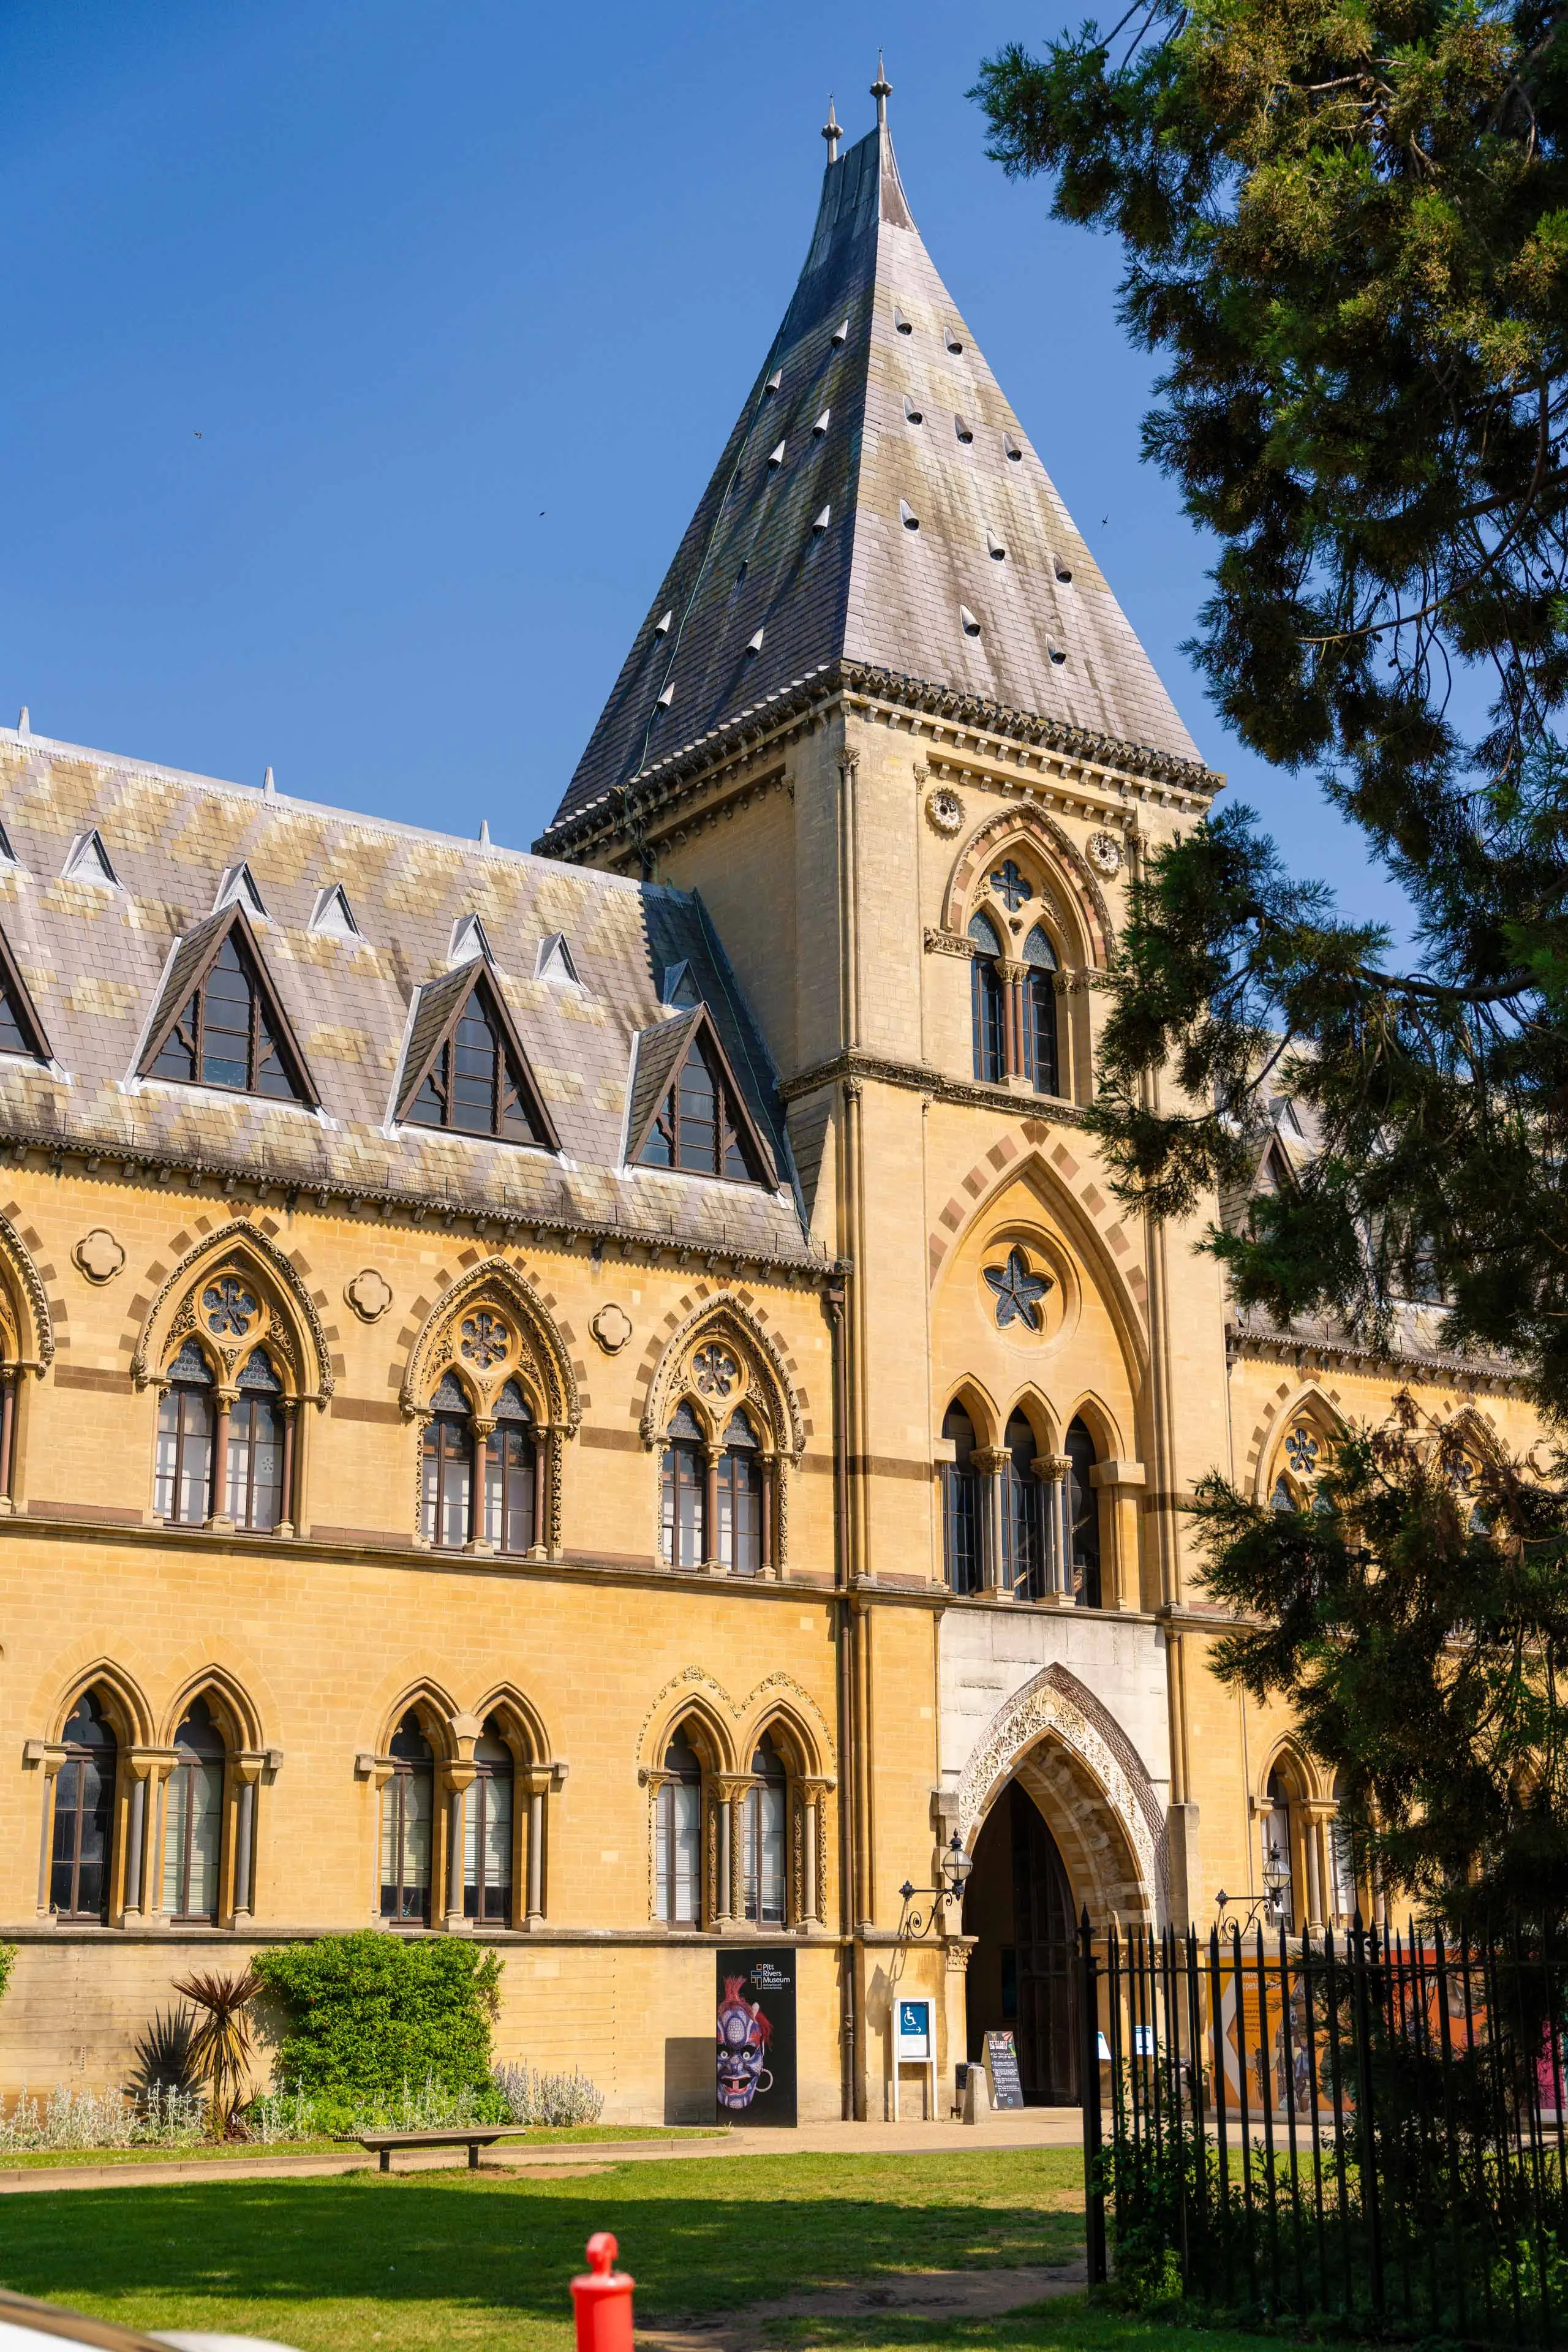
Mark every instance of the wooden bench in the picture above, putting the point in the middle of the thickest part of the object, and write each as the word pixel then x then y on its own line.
pixel 473 2137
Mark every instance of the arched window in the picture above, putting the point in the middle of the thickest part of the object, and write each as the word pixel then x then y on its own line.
pixel 407 1815
pixel 1277 1862
pixel 511 1495
pixel 256 1448
pixel 1082 1516
pixel 84 1814
pixel 1039 1014
pixel 986 1001
pixel 185 1440
pixel 741 1474
pixel 487 1830
pixel 192 1818
pixel 1022 1515
pixel 766 1819
pixel 448 1466
pixel 477 1082
pixel 684 1481
pixel 961 1551
pixel 1282 1499
pixel 677 1841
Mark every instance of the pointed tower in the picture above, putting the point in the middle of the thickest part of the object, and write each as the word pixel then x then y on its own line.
pixel 878 517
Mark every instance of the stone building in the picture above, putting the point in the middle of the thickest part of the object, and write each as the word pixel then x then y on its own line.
pixel 601 1399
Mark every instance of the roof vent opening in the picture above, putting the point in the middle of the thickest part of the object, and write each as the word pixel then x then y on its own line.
pixel 331 916
pixel 1013 453
pixel 742 574
pixel 86 860
pixel 970 625
pixel 1063 575
pixel 775 457
pixel 665 621
pixel 553 960
pixel 998 553
pixel 951 339
pixel 912 414
pixel 666 695
pixel 773 383
pixel 820 522
pixel 469 942
pixel 1057 653
pixel 754 642
pixel 841 332
pixel 239 882
pixel 963 431
pixel 821 425
pixel 901 324
pixel 680 987
pixel 908 516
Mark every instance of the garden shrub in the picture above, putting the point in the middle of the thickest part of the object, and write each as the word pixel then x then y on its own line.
pixel 7 1963
pixel 369 2012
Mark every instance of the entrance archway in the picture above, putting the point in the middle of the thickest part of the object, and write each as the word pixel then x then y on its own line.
pixel 1018 1904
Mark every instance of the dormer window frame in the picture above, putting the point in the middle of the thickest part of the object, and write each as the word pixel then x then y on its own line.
pixel 240 887
pixel 81 864
pixel 266 1010
pixel 735 1127
pixel 554 959
pixel 333 894
pixel 38 1054
pixel 480 975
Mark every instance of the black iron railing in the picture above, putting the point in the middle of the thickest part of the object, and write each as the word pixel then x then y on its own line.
pixel 1369 2128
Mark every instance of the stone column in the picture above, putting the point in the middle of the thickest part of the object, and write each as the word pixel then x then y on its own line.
pixel 533 1916
pixel 46 1841
pixel 990 1462
pixel 1120 1483
pixel 247 1771
pixel 288 1407
pixel 160 1768
pixel 723 1875
pixel 478 1540
pixel 8 1430
pixel 542 1439
pixel 135 1839
pixel 218 1517
pixel 1052 1470
pixel 459 1778
pixel 711 1559
pixel 770 1472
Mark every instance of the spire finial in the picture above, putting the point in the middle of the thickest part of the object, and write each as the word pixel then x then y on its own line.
pixel 830 131
pixel 881 90
pixel 269 789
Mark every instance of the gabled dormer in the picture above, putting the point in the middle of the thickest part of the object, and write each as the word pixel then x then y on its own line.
pixel 331 916
pixel 553 960
pixel 219 1021
pixel 21 1031
pixel 464 1066
pixel 239 888
pixel 687 1111
pixel 470 940
pixel 86 860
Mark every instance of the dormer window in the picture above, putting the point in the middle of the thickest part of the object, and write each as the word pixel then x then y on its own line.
pixel 332 917
pixel 466 1069
pixel 21 1031
pixel 467 940
pixel 238 887
pixel 222 1024
pixel 553 960
pixel 688 1113
pixel 680 987
pixel 86 860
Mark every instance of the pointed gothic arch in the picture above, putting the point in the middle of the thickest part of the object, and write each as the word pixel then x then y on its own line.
pixel 282 1318
pixel 216 1684
pixel 26 1327
pixel 1065 1745
pixel 1055 850
pixel 528 1348
pixel 766 1383
pixel 1303 1434
pixel 124 1701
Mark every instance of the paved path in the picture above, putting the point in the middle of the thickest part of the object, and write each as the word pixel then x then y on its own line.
pixel 1033 2127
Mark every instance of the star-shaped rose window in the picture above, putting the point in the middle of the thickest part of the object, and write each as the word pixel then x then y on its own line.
pixel 1018 1292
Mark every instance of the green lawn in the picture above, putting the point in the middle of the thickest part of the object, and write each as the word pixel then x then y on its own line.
pixel 1069 2324
pixel 432 2262
pixel 248 2151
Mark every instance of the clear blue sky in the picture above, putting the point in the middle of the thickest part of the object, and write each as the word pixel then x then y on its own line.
pixel 461 300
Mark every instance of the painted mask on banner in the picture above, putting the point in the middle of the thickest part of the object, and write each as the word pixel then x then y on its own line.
pixel 744 2036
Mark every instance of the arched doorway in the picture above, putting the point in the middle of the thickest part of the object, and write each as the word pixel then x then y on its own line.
pixel 1022 1973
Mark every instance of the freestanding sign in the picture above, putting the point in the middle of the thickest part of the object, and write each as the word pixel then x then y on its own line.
pixel 755 2036
pixel 914 2045
pixel 1002 2068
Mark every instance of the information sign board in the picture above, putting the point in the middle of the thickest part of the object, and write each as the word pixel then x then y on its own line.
pixel 914 2031
pixel 1002 2069
pixel 755 2036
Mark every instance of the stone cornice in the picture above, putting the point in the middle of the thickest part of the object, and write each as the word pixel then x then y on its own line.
pixel 961 720
pixel 138 1164
pixel 1287 1347
pixel 856 1066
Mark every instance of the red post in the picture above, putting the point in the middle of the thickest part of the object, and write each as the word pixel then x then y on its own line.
pixel 603 2300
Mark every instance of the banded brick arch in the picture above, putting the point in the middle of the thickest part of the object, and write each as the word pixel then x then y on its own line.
pixel 1007 1158
pixel 37 1321
pixel 736 1313
pixel 282 1275
pixel 1064 859
pixel 546 1343
pixel 1321 1405
pixel 1066 1751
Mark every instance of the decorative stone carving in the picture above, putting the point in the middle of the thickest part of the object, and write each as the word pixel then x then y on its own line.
pixel 1104 853
pixel 715 1371
pixel 369 1294
pixel 97 1255
pixel 944 810
pixel 612 1328
pixel 953 943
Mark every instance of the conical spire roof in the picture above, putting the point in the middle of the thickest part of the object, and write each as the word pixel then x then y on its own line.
pixel 878 504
